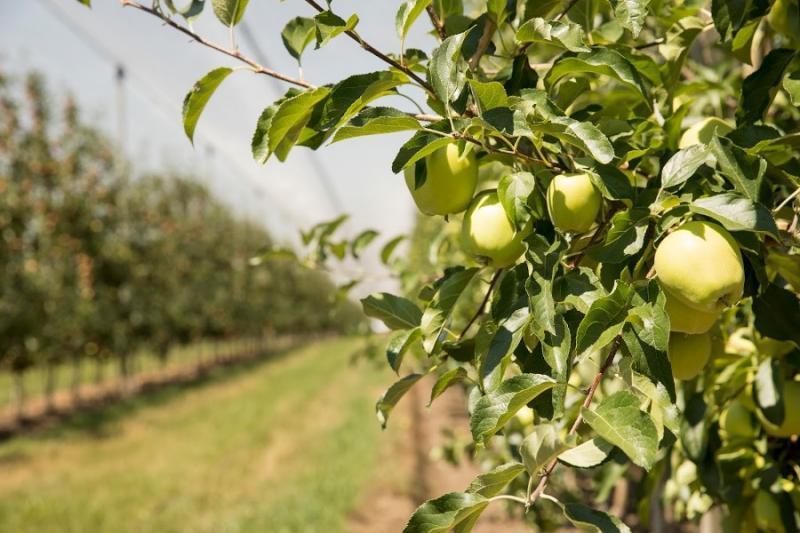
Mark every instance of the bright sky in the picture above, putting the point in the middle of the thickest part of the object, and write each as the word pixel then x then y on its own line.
pixel 162 65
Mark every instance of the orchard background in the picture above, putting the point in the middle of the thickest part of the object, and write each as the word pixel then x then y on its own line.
pixel 602 278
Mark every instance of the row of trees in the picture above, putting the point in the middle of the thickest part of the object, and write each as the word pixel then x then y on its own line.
pixel 97 265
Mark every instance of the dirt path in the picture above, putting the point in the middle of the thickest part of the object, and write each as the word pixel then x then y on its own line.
pixel 410 476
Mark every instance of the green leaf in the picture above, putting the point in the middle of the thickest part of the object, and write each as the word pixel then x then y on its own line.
pixel 496 408
pixel 791 84
pixel 505 340
pixel 229 12
pixel 662 401
pixel 743 170
pixel 446 69
pixel 776 311
pixel 736 213
pixel 646 359
pixel 408 13
pixel 189 11
pixel 565 34
pixel 625 237
pixel 694 429
pixel 87 3
pixel 542 446
pixel 677 43
pixel 619 420
pixel 730 16
pixel 605 318
pixel 399 344
pixel 389 248
pixel 421 144
pixel 446 380
pixel 584 135
pixel 579 288
pixel 493 482
pixel 557 353
pixel 587 454
pixel 612 183
pixel 600 60
pixel 394 311
pixel 588 519
pixel 197 98
pixel 376 121
pixel 631 14
pixel 361 241
pixel 446 512
pixel 514 191
pixel 768 389
pixel 393 395
pixel 280 129
pixel 437 314
pixel 489 95
pixel 330 25
pixel 297 35
pixel 758 87
pixel 684 164
pixel 351 95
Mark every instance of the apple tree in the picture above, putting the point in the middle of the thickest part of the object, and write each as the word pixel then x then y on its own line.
pixel 617 273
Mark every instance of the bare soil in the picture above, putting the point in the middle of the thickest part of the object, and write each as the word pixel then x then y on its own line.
pixel 409 475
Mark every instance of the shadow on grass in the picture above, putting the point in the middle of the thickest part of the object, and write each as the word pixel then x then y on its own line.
pixel 99 419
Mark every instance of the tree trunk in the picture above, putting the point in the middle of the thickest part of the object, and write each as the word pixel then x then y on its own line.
pixel 19 394
pixel 75 386
pixel 50 386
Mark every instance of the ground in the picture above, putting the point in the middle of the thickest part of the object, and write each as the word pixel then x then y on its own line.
pixel 287 445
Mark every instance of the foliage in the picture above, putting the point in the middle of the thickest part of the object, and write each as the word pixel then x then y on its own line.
pixel 579 329
pixel 96 264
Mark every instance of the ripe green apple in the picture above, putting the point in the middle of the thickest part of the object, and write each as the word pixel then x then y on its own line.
pixel 450 182
pixel 702 132
pixel 791 421
pixel 737 422
pixel 688 354
pixel 700 264
pixel 767 513
pixel 783 17
pixel 487 233
pixel 685 319
pixel 573 202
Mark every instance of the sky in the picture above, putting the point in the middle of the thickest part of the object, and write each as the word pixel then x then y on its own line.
pixel 78 49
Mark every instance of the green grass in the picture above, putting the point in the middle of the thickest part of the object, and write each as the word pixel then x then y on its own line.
pixel 280 446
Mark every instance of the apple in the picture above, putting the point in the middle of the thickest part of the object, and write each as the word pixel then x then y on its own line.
pixel 784 17
pixel 688 354
pixel 685 319
pixel 573 202
pixel 791 421
pixel 737 422
pixel 487 233
pixel 700 264
pixel 702 132
pixel 449 184
pixel 767 513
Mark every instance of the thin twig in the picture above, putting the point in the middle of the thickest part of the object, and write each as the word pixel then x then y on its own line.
pixel 483 44
pixel 787 200
pixel 437 22
pixel 509 497
pixel 257 67
pixel 566 9
pixel 482 307
pixel 651 44
pixel 615 344
pixel 377 53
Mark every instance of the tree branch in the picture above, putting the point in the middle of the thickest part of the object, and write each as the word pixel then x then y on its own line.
pixel 615 344
pixel 482 307
pixel 257 67
pixel 377 53
pixel 437 23
pixel 483 44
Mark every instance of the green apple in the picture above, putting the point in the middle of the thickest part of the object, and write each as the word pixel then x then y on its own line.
pixel 449 184
pixel 573 202
pixel 702 132
pixel 737 422
pixel 685 319
pixel 700 264
pixel 488 234
pixel 767 513
pixel 688 354
pixel 791 420
pixel 784 17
